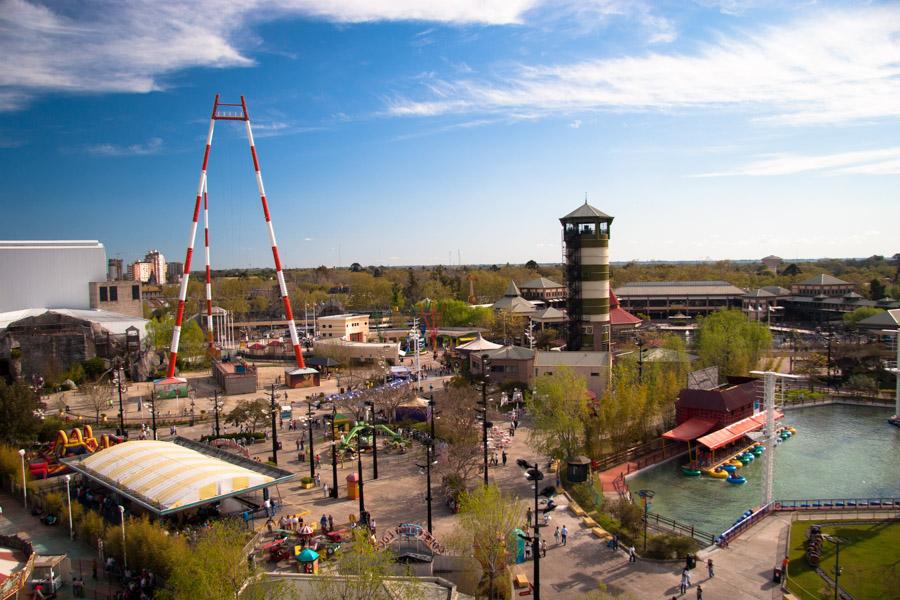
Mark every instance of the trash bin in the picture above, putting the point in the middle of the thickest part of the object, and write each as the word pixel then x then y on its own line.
pixel 776 575
pixel 691 561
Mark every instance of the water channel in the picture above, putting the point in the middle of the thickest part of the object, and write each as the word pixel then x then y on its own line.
pixel 840 451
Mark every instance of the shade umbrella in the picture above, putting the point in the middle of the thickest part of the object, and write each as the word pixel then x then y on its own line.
pixel 306 530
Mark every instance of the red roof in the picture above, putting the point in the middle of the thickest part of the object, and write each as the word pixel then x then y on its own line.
pixel 619 316
pixel 689 430
pixel 735 431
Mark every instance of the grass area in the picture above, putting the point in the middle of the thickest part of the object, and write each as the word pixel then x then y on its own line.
pixel 870 561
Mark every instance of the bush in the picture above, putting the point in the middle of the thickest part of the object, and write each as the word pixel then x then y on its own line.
pixel 255 436
pixel 49 427
pixel 670 545
pixel 629 515
pixel 10 463
pixel 149 546
pixel 306 479
pixel 91 526
pixel 94 367
pixel 75 373
pixel 53 503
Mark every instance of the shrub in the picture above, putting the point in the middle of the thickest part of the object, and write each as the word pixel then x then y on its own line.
pixel 629 515
pixel 255 436
pixel 94 367
pixel 53 504
pixel 306 479
pixel 669 545
pixel 10 463
pixel 49 427
pixel 91 526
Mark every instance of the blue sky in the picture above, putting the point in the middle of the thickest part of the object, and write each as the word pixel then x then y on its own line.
pixel 403 131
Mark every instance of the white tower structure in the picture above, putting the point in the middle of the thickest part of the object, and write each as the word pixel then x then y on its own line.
pixel 770 380
pixel 896 372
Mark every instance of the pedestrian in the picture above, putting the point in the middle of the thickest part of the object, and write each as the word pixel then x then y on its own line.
pixel 325 491
pixel 564 534
pixel 528 514
pixel 372 526
pixel 682 587
pixel 556 535
pixel 543 548
pixel 709 568
pixel 298 444
pixel 330 523
pixel 323 522
pixel 302 443
pixel 632 556
pixel 615 542
pixel 699 592
pixel 318 480
pixel 784 566
pixel 504 457
pixel 267 504
pixel 318 460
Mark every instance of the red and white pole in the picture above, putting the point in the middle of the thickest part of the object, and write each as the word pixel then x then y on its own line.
pixel 288 313
pixel 209 311
pixel 182 294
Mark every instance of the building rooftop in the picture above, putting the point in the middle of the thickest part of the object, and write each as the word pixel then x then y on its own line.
pixel 776 290
pixel 824 279
pixel 724 398
pixel 759 293
pixel 888 319
pixel 679 288
pixel 113 322
pixel 46 244
pixel 586 211
pixel 511 353
pixel 541 283
pixel 570 359
pixel 478 344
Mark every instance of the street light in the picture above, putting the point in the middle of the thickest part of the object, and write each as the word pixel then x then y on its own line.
pixel 312 451
pixel 429 460
pixel 274 427
pixel 216 408
pixel 334 479
pixel 362 498
pixel 646 496
pixel 371 405
pixel 121 377
pixel 485 424
pixel 24 483
pixel 837 541
pixel 124 554
pixel 68 478
pixel 533 473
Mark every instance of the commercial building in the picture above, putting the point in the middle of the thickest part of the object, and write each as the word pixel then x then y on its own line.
pixel 140 271
pixel 235 377
pixel 826 298
pixel 158 267
pixel 507 364
pixel 544 290
pixel 586 233
pixel 513 302
pixel 49 274
pixel 665 299
pixel 123 297
pixel 174 272
pixel 822 285
pixel 591 366
pixel 720 406
pixel 353 328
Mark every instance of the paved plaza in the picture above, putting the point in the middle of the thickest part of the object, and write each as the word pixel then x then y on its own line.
pixel 743 571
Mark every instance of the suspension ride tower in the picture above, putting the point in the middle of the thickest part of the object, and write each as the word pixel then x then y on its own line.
pixel 227 112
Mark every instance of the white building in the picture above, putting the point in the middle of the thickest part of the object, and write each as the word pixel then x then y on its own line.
pixel 141 271
pixel 353 328
pixel 158 265
pixel 49 273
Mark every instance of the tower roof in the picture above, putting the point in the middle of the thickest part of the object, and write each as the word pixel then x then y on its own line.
pixel 512 290
pixel 586 211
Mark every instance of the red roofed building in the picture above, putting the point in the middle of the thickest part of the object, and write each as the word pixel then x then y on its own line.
pixel 622 322
pixel 722 405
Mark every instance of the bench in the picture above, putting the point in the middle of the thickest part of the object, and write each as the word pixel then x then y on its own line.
pixel 589 522
pixel 520 580
pixel 601 533
pixel 577 510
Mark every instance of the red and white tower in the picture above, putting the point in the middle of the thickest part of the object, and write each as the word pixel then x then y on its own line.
pixel 227 112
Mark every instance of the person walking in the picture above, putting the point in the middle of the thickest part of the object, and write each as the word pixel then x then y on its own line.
pixel 323 522
pixel 709 568
pixel 682 587
pixel 528 515
pixel 699 592
pixel 556 535
pixel 615 542
pixel 564 534
pixel 543 548
pixel 504 457
pixel 632 556
pixel 330 523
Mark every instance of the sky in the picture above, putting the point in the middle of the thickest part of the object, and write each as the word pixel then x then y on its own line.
pixel 396 132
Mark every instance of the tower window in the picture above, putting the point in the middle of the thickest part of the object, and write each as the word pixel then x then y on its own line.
pixel 104 297
pixel 113 294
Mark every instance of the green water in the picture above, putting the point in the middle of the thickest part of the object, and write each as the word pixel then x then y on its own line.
pixel 839 452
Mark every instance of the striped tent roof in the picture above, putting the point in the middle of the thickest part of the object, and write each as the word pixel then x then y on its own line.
pixel 167 477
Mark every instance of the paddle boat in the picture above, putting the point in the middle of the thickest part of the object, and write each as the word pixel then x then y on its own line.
pixel 689 471
pixel 717 473
pixel 736 479
pixel 728 468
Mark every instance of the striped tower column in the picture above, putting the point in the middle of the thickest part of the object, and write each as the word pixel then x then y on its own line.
pixel 288 313
pixel 209 311
pixel 182 294
pixel 594 260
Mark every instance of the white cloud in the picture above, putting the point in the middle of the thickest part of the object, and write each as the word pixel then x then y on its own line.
pixel 883 161
pixel 576 124
pixel 827 68
pixel 153 146
pixel 102 47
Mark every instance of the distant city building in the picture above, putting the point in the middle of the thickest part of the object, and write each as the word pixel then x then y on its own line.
pixel 49 273
pixel 115 270
pixel 772 263
pixel 544 290
pixel 666 299
pixel 140 271
pixel 586 233
pixel 123 297
pixel 174 272
pixel 353 328
pixel 158 266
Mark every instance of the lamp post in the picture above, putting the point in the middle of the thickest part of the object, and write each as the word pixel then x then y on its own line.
pixel 192 412
pixel 646 496
pixel 429 461
pixel 216 408
pixel 274 426
pixel 485 424
pixel 533 473
pixel 837 561
pixel 312 451
pixel 334 479
pixel 124 554
pixel 68 478
pixel 24 482
pixel 153 411
pixel 362 498
pixel 121 376
pixel 374 430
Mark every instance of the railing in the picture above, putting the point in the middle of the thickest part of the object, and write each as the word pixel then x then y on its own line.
pixel 743 525
pixel 661 522
pixel 832 504
pixel 644 455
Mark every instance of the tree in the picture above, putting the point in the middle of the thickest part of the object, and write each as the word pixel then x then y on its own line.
pixel 811 366
pixel 97 396
pixel 559 410
pixel 858 314
pixel 876 289
pixel 214 568
pixel 488 517
pixel 250 413
pixel 731 342
pixel 531 265
pixel 17 405
pixel 460 431
pixel 364 570
pixel 356 267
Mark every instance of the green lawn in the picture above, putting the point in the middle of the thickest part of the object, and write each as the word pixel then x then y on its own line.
pixel 870 561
